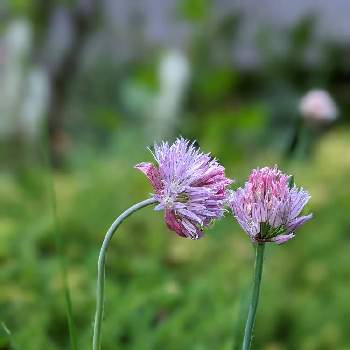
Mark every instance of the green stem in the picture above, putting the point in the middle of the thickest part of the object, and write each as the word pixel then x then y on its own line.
pixel 258 268
pixel 101 269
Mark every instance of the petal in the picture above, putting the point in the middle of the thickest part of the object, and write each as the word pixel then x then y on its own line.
pixel 152 174
pixel 173 223
pixel 190 230
pixel 190 215
pixel 159 207
pixel 299 198
pixel 280 239
pixel 208 175
pixel 294 224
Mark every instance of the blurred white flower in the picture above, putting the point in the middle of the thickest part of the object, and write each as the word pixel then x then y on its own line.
pixel 318 106
pixel 34 103
pixel 24 88
pixel 174 74
pixel 15 45
pixel 173 70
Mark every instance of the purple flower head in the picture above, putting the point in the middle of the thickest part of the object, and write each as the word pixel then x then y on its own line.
pixel 189 185
pixel 268 207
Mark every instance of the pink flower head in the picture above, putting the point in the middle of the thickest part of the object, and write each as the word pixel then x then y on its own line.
pixel 268 207
pixel 318 106
pixel 189 185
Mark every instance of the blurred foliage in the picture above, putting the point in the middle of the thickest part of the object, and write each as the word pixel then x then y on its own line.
pixel 195 10
pixel 164 292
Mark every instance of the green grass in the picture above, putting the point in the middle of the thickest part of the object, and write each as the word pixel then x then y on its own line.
pixel 164 292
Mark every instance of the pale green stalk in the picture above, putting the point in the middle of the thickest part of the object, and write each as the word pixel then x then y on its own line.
pixel 258 268
pixel 101 269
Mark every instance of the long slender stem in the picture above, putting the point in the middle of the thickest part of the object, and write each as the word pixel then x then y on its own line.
pixel 258 268
pixel 101 269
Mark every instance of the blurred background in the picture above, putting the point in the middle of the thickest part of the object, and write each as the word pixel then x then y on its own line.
pixel 86 86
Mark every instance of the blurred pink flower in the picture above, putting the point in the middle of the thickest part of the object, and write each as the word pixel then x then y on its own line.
pixel 318 105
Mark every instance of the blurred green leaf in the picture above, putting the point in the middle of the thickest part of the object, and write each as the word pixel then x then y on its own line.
pixel 214 84
pixel 5 336
pixel 195 10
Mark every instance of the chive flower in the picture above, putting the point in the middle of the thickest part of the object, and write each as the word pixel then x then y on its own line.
pixel 190 186
pixel 318 106
pixel 268 207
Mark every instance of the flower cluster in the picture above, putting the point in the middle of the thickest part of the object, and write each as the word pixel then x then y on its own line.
pixel 268 207
pixel 189 185
pixel 192 189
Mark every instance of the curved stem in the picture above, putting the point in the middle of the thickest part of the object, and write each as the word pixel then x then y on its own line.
pixel 258 268
pixel 101 269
